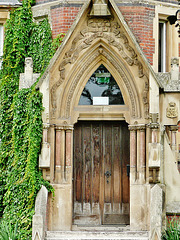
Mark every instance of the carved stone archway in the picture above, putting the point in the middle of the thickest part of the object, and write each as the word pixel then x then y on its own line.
pixel 95 41
pixel 110 47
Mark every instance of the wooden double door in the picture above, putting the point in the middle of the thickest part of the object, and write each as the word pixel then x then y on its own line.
pixel 101 173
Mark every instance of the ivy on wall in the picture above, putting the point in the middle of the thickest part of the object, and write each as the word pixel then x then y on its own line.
pixel 20 118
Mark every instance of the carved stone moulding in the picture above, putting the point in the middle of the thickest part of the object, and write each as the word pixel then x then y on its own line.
pixel 173 128
pixel 168 84
pixel 153 125
pixel 98 28
pixel 141 127
pixel 135 127
pixel 102 52
pixel 64 127
pixel 46 125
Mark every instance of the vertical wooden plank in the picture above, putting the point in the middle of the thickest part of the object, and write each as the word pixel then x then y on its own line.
pixel 112 166
pixel 96 151
pixel 120 168
pixel 107 161
pixel 87 161
pixel 77 164
pixel 125 162
pixel 102 178
pixel 116 162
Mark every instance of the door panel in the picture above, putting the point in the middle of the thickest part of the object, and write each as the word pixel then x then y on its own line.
pixel 101 184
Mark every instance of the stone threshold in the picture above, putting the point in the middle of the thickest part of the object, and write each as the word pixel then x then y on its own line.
pixel 97 233
pixel 101 228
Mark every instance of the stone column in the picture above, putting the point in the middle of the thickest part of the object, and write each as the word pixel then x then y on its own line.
pixel 59 156
pixel 138 189
pixel 142 154
pixel 133 153
pixel 61 205
pixel 68 168
pixel 173 130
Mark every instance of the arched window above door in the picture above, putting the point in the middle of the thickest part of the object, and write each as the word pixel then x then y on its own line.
pixel 101 89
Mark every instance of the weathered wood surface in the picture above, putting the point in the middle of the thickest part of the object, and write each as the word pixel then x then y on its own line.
pixel 101 184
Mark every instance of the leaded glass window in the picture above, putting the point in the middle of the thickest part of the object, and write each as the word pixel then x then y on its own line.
pixel 101 89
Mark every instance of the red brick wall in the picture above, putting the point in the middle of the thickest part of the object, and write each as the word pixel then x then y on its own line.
pixel 173 217
pixel 139 17
pixel 45 1
pixel 140 21
pixel 63 17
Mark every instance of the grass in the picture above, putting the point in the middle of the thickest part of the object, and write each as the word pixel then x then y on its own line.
pixel 7 231
pixel 172 231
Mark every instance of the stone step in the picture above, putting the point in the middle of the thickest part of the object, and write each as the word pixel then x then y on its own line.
pixel 96 235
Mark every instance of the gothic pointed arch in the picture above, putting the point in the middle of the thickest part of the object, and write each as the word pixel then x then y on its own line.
pixel 95 41
pixel 100 53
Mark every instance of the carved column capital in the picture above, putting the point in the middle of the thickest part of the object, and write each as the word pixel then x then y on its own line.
pixel 153 125
pixel 59 128
pixel 46 125
pixel 141 127
pixel 132 128
pixel 66 128
pixel 173 128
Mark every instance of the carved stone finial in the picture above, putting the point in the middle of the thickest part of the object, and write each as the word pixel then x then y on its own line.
pixel 28 78
pixel 171 110
pixel 174 68
pixel 100 8
pixel 28 65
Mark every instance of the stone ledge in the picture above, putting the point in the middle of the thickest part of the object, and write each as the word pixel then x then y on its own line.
pixel 173 208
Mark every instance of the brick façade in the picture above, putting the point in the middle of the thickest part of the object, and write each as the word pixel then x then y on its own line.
pixel 62 17
pixel 139 16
